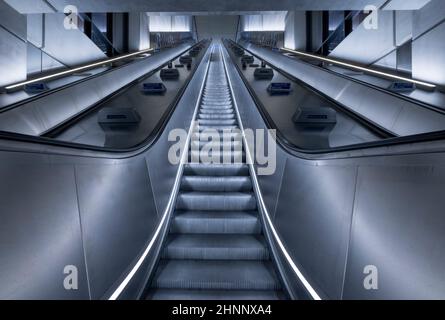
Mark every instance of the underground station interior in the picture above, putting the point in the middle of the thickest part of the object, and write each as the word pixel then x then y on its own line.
pixel 222 150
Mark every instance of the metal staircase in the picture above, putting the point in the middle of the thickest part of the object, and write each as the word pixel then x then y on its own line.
pixel 215 248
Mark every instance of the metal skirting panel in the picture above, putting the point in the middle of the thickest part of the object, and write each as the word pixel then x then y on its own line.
pixel 314 217
pixel 398 227
pixel 40 232
pixel 104 190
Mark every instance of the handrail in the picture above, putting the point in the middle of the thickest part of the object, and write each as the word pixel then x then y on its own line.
pixel 360 68
pixel 16 86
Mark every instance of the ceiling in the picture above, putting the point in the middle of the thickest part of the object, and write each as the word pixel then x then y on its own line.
pixel 199 6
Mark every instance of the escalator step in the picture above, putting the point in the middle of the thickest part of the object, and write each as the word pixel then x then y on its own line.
pixel 219 129
pixel 215 247
pixel 217 122
pixel 217 157
pixel 224 116
pixel 216 170
pixel 217 111
pixel 216 201
pixel 216 274
pixel 217 145
pixel 206 135
pixel 216 184
pixel 216 222
pixel 181 294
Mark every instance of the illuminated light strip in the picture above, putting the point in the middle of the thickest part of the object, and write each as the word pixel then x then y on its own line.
pixel 294 267
pixel 171 201
pixel 351 66
pixel 71 71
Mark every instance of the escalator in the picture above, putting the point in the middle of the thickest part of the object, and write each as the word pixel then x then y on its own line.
pixel 215 248
pixel 138 227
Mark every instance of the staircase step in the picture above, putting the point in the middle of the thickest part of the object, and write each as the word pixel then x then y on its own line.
pixel 219 275
pixel 216 222
pixel 217 157
pixel 216 170
pixel 219 129
pixel 216 104
pixel 229 201
pixel 219 144
pixel 217 122
pixel 215 247
pixel 216 184
pixel 205 136
pixel 217 111
pixel 181 294
pixel 223 116
pixel 216 107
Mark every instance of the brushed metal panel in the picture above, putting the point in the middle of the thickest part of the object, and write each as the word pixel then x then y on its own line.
pixel 118 217
pixel 39 231
pixel 398 227
pixel 270 185
pixel 13 21
pixel 12 58
pixel 313 219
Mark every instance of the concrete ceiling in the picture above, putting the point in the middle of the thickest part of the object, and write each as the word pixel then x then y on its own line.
pixel 39 6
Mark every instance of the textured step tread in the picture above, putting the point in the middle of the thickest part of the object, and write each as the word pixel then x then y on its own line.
pixel 216 222
pixel 217 143
pixel 227 201
pixel 216 184
pixel 224 116
pixel 217 122
pixel 181 294
pixel 217 111
pixel 216 247
pixel 217 169
pixel 216 274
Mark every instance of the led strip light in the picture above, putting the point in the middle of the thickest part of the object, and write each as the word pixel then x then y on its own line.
pixel 294 267
pixel 71 71
pixel 351 66
pixel 172 199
